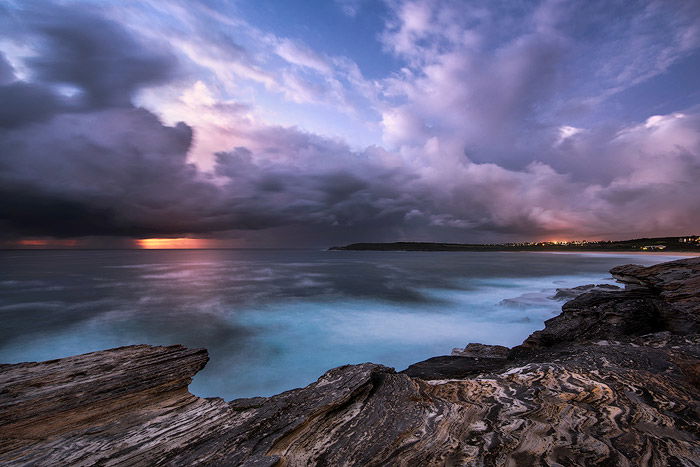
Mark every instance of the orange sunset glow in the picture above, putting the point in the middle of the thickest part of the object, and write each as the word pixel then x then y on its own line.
pixel 29 242
pixel 46 243
pixel 171 243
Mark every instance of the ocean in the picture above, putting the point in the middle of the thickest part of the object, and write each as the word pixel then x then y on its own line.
pixel 275 320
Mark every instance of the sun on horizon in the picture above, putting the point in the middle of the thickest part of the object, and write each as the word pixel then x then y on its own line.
pixel 181 243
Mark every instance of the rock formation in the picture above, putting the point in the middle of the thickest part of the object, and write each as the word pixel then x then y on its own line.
pixel 568 294
pixel 481 351
pixel 613 380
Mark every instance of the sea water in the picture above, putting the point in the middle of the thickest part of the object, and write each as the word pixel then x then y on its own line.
pixel 274 320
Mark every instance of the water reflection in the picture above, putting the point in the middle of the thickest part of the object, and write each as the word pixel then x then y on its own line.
pixel 275 319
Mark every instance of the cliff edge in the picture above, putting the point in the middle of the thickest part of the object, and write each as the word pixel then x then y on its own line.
pixel 613 380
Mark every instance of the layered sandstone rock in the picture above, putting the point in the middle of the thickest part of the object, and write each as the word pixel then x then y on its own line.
pixel 613 380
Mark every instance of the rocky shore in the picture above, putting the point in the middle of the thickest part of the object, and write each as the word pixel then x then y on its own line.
pixel 613 380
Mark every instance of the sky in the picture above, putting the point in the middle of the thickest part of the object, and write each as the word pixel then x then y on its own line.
pixel 313 123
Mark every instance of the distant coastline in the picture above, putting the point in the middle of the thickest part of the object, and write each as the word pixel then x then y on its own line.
pixel 661 245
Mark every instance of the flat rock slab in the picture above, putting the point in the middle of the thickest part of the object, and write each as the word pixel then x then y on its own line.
pixel 452 367
pixel 481 351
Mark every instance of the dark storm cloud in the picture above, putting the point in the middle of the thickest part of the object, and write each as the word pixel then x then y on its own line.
pixel 264 196
pixel 87 162
pixel 79 61
pixel 7 74
pixel 115 171
pixel 24 103
pixel 69 169
pixel 93 54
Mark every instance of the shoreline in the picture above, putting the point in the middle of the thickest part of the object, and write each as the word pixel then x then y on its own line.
pixel 685 244
pixel 631 252
pixel 512 250
pixel 679 253
pixel 633 353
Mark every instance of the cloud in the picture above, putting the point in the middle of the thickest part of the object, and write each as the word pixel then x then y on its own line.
pixel 90 163
pixel 7 74
pixel 474 95
pixel 498 81
pixel 301 55
pixel 26 102
pixel 93 164
pixel 481 140
pixel 109 172
pixel 93 54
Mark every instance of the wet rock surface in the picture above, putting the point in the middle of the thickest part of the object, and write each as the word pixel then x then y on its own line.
pixel 450 367
pixel 481 351
pixel 568 294
pixel 613 380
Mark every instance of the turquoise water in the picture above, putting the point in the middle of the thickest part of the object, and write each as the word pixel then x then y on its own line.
pixel 274 320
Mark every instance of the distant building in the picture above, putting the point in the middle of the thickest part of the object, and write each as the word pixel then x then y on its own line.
pixel 654 247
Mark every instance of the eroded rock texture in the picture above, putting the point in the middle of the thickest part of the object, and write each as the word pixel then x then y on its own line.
pixel 613 380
